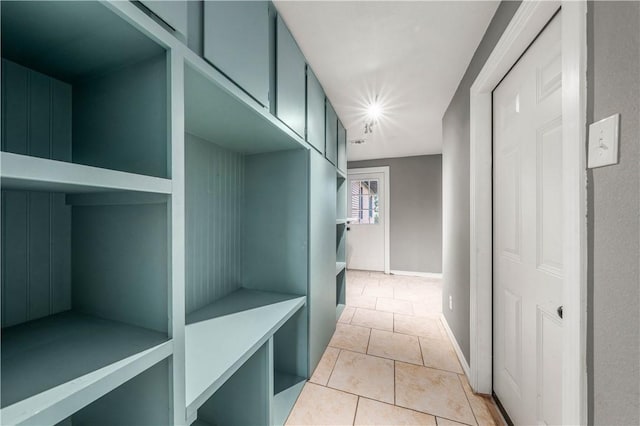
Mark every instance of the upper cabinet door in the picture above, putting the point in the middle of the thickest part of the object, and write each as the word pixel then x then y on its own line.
pixel 331 138
pixel 236 41
pixel 173 13
pixel 290 80
pixel 342 147
pixel 315 112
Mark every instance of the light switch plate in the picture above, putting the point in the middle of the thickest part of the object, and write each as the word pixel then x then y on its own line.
pixel 603 142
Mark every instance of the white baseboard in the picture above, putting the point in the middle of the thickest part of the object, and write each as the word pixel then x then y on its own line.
pixel 417 274
pixel 456 347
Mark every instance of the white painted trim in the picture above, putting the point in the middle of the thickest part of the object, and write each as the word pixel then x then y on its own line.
pixel 526 24
pixel 456 346
pixel 416 274
pixel 387 208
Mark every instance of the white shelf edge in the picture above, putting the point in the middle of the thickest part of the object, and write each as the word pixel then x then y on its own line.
pixel 26 172
pixel 58 403
pixel 340 266
pixel 196 402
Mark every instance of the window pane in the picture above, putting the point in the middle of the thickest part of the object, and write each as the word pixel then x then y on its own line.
pixel 364 201
pixel 355 187
pixel 376 217
pixel 373 186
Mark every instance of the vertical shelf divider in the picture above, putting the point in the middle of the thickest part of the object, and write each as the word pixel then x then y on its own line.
pixel 177 212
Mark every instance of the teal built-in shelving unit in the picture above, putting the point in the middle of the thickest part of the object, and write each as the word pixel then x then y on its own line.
pixel 167 215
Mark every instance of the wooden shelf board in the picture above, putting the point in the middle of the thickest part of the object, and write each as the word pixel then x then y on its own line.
pixel 24 172
pixel 340 266
pixel 341 221
pixel 220 337
pixel 288 388
pixel 54 366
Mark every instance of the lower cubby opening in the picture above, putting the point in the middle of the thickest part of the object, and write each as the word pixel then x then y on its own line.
pixel 84 293
pixel 340 292
pixel 223 334
pixel 141 401
pixel 247 232
pixel 244 398
pixel 290 365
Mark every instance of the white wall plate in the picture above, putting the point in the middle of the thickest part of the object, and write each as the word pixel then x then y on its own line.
pixel 603 142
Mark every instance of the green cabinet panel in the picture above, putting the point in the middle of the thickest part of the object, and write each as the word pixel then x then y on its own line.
pixel 322 256
pixel 172 12
pixel 331 134
pixel 237 42
pixel 290 80
pixel 315 112
pixel 342 147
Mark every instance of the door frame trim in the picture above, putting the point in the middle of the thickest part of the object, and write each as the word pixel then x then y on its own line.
pixel 387 190
pixel 526 24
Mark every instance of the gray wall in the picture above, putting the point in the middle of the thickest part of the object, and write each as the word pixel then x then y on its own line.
pixel 614 218
pixel 613 210
pixel 415 210
pixel 455 183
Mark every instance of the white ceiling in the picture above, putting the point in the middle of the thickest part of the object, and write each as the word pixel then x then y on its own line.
pixel 411 55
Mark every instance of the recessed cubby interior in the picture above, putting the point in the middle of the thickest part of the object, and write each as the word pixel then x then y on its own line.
pixel 342 226
pixel 81 85
pixel 244 398
pixel 84 285
pixel 247 232
pixel 142 401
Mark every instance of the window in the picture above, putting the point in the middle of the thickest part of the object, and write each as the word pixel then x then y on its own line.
pixel 365 202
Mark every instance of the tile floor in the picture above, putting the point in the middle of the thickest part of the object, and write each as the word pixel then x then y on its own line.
pixel 390 362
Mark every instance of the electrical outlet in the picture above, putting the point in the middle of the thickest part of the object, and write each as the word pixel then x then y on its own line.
pixel 450 302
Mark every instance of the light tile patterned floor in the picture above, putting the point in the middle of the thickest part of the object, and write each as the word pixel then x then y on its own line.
pixel 390 362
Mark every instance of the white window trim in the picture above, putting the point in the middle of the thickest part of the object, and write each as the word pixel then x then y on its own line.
pixel 387 218
pixel 526 24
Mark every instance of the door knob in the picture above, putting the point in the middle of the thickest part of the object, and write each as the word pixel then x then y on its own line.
pixel 559 311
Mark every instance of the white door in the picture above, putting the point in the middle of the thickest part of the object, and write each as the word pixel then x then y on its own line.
pixel 366 239
pixel 527 234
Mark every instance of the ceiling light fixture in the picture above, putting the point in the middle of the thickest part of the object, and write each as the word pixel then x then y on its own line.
pixel 374 112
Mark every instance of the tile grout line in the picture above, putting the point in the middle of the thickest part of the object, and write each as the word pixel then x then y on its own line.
pixel 394 383
pixel 421 353
pixel 333 367
pixel 468 400
pixel 355 413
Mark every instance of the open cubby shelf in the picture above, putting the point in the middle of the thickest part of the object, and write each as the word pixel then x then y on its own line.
pixel 82 85
pixel 38 174
pixel 84 297
pixel 221 336
pixel 61 361
pixel 139 397
pixel 213 112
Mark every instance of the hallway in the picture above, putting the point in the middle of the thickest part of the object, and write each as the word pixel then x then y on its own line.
pixel 390 362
